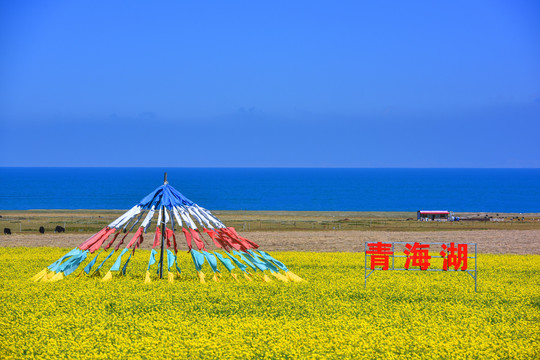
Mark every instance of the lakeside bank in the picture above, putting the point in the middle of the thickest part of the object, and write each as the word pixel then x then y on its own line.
pixel 90 221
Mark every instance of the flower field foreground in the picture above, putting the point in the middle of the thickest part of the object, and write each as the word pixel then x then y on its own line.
pixel 400 314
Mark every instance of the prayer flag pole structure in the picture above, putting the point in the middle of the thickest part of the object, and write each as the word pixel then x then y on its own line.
pixel 163 232
pixel 170 205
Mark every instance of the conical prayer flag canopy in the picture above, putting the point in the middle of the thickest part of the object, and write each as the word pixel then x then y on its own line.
pixel 172 211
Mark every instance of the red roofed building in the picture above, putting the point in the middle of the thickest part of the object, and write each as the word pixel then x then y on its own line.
pixel 432 215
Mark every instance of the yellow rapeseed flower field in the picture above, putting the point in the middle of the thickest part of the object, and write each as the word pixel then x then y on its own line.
pixel 405 315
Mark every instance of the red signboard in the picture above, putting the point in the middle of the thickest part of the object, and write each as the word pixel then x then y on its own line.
pixel 380 254
pixel 417 256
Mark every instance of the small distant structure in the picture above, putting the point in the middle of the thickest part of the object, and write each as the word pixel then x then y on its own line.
pixel 434 215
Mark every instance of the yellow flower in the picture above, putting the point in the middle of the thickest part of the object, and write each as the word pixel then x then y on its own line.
pixel 400 315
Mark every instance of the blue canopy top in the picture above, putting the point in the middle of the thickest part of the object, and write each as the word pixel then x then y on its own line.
pixel 165 195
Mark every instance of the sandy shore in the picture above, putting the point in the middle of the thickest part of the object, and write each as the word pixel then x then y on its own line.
pixel 489 241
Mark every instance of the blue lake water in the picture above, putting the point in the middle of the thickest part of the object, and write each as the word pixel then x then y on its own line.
pixel 496 190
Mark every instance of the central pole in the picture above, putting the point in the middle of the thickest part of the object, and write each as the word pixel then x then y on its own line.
pixel 163 230
pixel 162 243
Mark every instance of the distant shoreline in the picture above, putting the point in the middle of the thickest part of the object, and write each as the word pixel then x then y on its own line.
pixel 362 212
pixel 88 221
pixel 308 213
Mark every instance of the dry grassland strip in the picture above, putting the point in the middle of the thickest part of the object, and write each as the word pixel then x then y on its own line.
pixel 89 221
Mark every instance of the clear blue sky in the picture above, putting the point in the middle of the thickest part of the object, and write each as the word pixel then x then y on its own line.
pixel 270 83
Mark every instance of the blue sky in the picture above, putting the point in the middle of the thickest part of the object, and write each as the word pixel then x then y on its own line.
pixel 270 83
